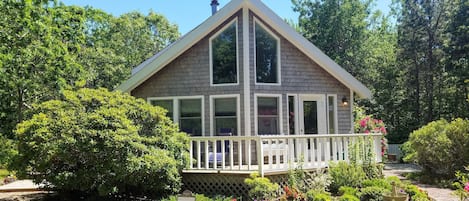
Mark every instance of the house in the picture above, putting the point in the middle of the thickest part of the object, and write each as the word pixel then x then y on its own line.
pixel 253 94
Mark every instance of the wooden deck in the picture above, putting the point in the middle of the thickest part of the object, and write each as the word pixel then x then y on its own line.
pixel 273 154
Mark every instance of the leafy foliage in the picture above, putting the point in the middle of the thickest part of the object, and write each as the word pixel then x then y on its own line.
pixel 462 184
pixel 344 174
pixel 99 142
pixel 260 187
pixel 313 195
pixel 47 47
pixel 372 193
pixel 346 190
pixel 414 59
pixel 440 147
pixel 7 150
pixel 415 193
pixel 348 197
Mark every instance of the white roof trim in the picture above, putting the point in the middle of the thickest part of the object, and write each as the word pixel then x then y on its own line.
pixel 155 63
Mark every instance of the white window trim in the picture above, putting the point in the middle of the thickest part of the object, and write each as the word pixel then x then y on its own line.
pixel 176 111
pixel 235 21
pixel 279 76
pixel 296 111
pixel 280 111
pixel 212 111
pixel 336 126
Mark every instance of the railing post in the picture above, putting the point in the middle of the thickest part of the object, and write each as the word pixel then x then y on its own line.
pixel 378 148
pixel 191 161
pixel 260 158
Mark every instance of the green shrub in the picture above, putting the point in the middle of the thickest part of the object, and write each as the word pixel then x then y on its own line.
pixel 7 151
pixel 260 187
pixel 312 195
pixel 344 174
pixel 440 147
pixel 382 183
pixel 372 193
pixel 348 197
pixel 95 142
pixel 346 190
pixel 304 181
pixel 415 193
pixel 394 179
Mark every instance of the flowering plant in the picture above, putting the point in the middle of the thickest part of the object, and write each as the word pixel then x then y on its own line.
pixel 292 194
pixel 368 125
pixel 462 185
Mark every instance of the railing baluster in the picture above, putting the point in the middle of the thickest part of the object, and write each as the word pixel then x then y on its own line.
pixel 260 156
pixel 191 161
pixel 206 155
pixel 346 146
pixel 199 161
pixel 223 154
pixel 249 154
pixel 240 154
pixel 231 155
pixel 269 143
pixel 335 153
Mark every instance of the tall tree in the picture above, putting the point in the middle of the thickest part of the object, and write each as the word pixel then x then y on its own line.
pixel 421 25
pixel 115 45
pixel 457 63
pixel 46 47
pixel 337 27
pixel 37 48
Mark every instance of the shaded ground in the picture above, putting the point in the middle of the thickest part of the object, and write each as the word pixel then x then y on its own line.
pixel 438 194
pixel 22 196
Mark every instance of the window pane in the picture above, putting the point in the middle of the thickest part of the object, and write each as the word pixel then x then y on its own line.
pixel 190 107
pixel 310 114
pixel 267 106
pixel 267 119
pixel 225 116
pixel 266 56
pixel 224 56
pixel 291 114
pixel 192 126
pixel 331 111
pixel 190 117
pixel 166 104
pixel 225 107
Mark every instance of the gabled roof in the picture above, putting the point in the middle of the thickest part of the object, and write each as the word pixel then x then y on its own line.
pixel 151 66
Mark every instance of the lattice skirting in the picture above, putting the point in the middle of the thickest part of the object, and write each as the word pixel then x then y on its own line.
pixel 223 184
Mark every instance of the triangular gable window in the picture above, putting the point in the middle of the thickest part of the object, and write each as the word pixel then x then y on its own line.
pixel 224 56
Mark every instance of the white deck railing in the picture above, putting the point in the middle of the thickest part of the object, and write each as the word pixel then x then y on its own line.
pixel 273 153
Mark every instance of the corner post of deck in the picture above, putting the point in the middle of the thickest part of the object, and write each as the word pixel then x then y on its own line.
pixel 260 158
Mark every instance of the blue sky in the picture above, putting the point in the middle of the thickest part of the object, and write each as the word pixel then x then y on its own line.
pixel 187 14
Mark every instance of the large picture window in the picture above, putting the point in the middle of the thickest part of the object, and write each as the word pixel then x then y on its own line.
pixel 268 122
pixel 190 116
pixel 267 46
pixel 225 116
pixel 186 111
pixel 223 51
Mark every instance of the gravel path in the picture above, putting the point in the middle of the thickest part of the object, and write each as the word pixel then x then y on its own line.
pixel 438 194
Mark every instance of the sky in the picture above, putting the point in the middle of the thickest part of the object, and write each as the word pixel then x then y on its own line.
pixel 187 14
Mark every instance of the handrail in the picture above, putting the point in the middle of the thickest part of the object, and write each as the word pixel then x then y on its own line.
pixel 272 153
pixel 283 136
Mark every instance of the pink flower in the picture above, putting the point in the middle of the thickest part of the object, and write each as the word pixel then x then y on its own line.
pixel 367 131
pixel 363 123
pixel 467 187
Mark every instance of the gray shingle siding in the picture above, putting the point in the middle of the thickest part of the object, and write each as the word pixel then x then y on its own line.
pixel 189 75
